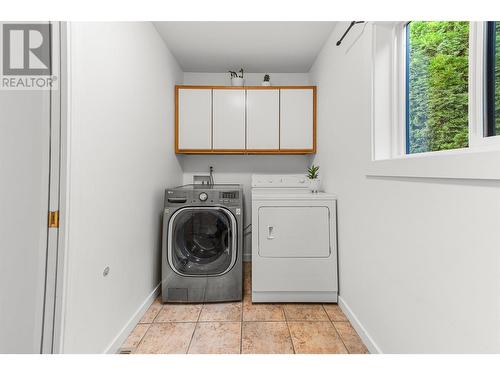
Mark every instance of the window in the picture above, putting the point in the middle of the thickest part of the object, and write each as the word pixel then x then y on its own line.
pixel 435 99
pixel 436 88
pixel 492 126
pixel 437 92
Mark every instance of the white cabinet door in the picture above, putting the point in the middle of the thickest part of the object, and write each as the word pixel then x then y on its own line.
pixel 229 119
pixel 263 119
pixel 195 119
pixel 294 232
pixel 296 119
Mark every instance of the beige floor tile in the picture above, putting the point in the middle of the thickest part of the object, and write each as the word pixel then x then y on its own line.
pixel 179 313
pixel 167 338
pixel 298 311
pixel 247 267
pixel 266 338
pixel 335 313
pixel 247 296
pixel 247 286
pixel 216 338
pixel 212 312
pixel 247 289
pixel 315 338
pixel 262 312
pixel 247 271
pixel 152 312
pixel 247 276
pixel 350 338
pixel 135 336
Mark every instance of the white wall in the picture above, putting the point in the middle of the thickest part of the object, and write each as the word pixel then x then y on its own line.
pixel 251 79
pixel 239 168
pixel 419 258
pixel 121 160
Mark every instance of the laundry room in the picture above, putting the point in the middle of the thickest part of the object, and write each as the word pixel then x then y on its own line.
pixel 226 186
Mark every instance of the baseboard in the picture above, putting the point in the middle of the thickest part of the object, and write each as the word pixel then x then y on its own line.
pixel 362 332
pixel 117 342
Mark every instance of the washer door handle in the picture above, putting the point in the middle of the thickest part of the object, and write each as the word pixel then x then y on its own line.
pixel 177 200
pixel 270 231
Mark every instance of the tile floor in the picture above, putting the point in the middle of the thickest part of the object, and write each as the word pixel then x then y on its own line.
pixel 243 327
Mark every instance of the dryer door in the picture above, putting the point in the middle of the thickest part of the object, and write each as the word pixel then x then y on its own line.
pixel 294 232
pixel 202 241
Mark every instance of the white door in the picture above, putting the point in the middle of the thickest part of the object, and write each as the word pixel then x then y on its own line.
pixel 229 119
pixel 195 119
pixel 294 232
pixel 263 119
pixel 296 119
pixel 29 144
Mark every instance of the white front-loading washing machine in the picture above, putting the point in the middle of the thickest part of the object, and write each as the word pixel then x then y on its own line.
pixel 294 241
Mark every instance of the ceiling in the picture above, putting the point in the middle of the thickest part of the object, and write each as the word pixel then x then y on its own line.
pixel 277 47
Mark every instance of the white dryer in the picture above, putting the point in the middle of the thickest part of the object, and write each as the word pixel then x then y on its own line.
pixel 294 241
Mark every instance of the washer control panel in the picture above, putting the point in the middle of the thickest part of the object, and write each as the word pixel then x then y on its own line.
pixel 225 195
pixel 229 197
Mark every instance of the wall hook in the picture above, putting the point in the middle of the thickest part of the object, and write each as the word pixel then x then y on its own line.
pixel 348 29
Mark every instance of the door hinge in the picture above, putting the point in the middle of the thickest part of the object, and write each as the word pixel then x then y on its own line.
pixel 53 219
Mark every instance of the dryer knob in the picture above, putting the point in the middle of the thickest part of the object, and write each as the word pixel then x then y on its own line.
pixel 203 197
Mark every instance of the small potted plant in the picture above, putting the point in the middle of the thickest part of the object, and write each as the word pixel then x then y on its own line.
pixel 237 80
pixel 312 175
pixel 267 80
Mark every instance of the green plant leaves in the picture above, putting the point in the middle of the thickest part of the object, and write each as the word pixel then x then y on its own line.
pixel 438 85
pixel 312 172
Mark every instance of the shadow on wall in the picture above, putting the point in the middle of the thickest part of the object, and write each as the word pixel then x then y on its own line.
pixel 238 169
pixel 245 164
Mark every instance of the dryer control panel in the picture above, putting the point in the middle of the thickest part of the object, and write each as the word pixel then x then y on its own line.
pixel 280 181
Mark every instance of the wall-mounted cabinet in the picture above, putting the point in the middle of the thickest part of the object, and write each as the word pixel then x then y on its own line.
pixel 263 120
pixel 296 116
pixel 228 120
pixel 194 120
pixel 245 120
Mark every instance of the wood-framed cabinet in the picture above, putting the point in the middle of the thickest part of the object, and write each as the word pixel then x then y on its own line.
pixel 194 114
pixel 263 120
pixel 245 120
pixel 228 120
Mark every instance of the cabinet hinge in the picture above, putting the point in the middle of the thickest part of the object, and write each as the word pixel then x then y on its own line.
pixel 53 219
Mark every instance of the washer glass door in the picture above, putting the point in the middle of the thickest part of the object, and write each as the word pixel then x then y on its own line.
pixel 202 241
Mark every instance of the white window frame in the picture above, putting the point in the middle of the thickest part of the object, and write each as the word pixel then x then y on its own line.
pixel 390 134
pixel 399 100
pixel 477 89
pixel 480 160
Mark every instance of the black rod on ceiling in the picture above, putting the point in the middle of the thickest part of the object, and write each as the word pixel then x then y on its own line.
pixel 348 29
